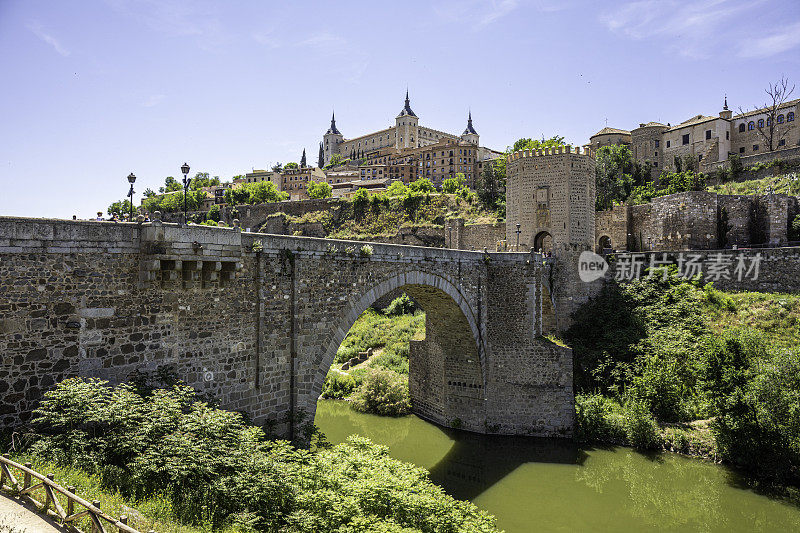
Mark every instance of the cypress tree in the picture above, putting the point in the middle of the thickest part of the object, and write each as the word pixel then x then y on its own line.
pixel 321 159
pixel 303 159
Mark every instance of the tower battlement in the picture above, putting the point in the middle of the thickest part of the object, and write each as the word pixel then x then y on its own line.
pixel 554 150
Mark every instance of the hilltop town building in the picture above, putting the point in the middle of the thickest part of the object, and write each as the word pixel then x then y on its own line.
pixel 408 151
pixel 706 141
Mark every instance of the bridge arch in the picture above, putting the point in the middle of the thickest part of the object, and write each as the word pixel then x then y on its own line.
pixel 448 366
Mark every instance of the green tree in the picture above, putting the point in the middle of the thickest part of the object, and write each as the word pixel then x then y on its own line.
pixel 453 185
pixel 321 157
pixel 277 167
pixel 170 184
pixel 422 185
pixel 290 165
pixel 490 184
pixel 237 195
pixel 336 160
pixel 319 189
pixel 149 193
pixel 202 179
pixel 213 213
pixel 397 188
pixel 533 144
pixel 122 209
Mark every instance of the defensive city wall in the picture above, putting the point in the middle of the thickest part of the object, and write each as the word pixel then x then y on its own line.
pixel 255 320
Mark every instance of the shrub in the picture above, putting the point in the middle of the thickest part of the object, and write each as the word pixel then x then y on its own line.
pixel 657 383
pixel 213 213
pixel 421 185
pixel 641 429
pixel 318 189
pixel 215 469
pixel 795 229
pixel 365 251
pixel 594 420
pixel 400 306
pixel 382 392
pixel 397 188
pixel 338 385
pixel 453 185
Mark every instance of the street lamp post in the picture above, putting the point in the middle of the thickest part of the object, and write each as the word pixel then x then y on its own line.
pixel 131 180
pixel 186 181
pixel 518 232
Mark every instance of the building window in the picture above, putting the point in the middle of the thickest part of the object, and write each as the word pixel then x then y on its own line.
pixel 755 148
pixel 657 142
pixel 761 123
pixel 741 127
pixel 741 150
pixel 656 153
pixel 708 134
pixel 655 164
pixel 686 139
pixel 751 126
pixel 782 142
pixel 727 135
pixel 780 119
pixel 769 121
pixel 699 158
pixel 668 143
pixel 790 116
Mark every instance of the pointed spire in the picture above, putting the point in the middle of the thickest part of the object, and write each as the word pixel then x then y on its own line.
pixel 333 129
pixel 470 129
pixel 407 108
pixel 725 107
pixel 303 159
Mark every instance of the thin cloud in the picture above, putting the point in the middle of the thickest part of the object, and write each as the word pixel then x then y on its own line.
pixel 782 40
pixel 690 29
pixel 49 39
pixel 483 13
pixel 497 11
pixel 325 40
pixel 153 100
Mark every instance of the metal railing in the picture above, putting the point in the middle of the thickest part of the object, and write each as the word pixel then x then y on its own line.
pixel 98 519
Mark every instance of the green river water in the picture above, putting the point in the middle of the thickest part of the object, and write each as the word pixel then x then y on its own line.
pixel 550 485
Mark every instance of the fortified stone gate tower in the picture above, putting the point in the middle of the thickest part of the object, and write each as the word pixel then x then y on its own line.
pixel 550 194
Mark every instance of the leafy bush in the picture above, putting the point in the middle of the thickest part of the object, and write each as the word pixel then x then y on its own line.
pixel 319 189
pixel 795 229
pixel 216 470
pixel 383 392
pixel 366 250
pixel 214 213
pixel 338 385
pixel 397 188
pixel 421 185
pixel 453 185
pixel 254 193
pixel 400 306
pixel 641 429
pixel 595 421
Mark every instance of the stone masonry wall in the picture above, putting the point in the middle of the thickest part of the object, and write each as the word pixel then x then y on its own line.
pixel 255 320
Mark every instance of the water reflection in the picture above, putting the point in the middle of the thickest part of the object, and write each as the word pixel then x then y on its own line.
pixel 550 485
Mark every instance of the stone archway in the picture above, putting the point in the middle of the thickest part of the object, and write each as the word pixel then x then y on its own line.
pixel 447 377
pixel 604 243
pixel 543 242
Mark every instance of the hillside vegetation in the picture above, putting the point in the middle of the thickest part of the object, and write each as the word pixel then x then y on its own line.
pixel 785 183
pixel 679 364
pixel 367 215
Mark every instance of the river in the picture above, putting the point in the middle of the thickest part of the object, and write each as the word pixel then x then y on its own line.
pixel 550 485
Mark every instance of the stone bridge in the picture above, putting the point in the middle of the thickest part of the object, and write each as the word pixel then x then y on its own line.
pixel 255 320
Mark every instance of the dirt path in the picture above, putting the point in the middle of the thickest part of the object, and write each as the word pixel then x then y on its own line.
pixel 16 517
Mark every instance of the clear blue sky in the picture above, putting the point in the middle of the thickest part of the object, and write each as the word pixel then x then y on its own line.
pixel 94 90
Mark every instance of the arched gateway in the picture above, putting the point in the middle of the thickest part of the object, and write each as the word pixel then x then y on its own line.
pixel 446 370
pixel 255 320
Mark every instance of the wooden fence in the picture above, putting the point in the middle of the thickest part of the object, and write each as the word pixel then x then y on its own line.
pixel 98 519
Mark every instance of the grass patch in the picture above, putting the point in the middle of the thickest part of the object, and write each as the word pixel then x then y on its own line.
pixel 775 314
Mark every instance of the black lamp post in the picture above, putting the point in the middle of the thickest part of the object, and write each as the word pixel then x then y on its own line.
pixel 186 181
pixel 518 232
pixel 131 180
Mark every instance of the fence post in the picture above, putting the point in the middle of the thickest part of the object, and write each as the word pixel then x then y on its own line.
pixel 70 503
pixel 27 477
pixel 47 492
pixel 96 503
pixel 3 472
